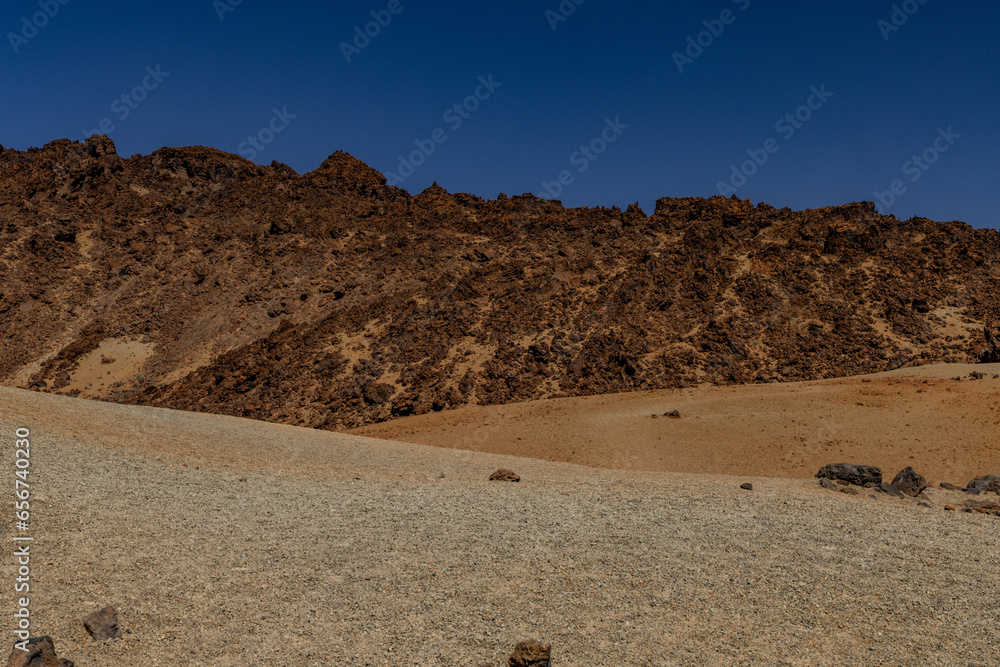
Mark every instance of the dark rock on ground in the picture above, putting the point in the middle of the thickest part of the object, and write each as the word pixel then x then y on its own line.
pixel 948 486
pixel 910 482
pixel 531 654
pixel 985 484
pixel 747 486
pixel 859 475
pixel 983 507
pixel 827 484
pixel 849 490
pixel 41 653
pixel 673 414
pixel 504 475
pixel 103 624
pixel 889 489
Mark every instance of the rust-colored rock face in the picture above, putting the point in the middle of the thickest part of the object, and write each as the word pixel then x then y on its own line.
pixel 191 278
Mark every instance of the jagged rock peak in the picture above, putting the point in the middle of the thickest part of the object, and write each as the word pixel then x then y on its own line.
pixel 346 172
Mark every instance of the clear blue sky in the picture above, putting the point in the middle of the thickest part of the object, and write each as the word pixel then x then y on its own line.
pixel 607 60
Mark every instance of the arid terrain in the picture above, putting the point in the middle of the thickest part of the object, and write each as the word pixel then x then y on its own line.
pixel 194 279
pixel 666 386
pixel 224 541
pixel 939 419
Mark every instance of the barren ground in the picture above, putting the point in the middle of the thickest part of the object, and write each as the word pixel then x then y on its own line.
pixel 224 541
pixel 915 416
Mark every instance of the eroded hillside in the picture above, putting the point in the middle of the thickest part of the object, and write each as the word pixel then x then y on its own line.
pixel 194 279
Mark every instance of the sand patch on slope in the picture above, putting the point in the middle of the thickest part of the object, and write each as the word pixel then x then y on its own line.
pixel 115 360
pixel 922 417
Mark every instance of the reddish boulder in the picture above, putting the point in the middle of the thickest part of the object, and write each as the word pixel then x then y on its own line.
pixel 103 624
pixel 504 475
pixel 531 654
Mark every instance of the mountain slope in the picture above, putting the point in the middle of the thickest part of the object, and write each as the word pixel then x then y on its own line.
pixel 194 279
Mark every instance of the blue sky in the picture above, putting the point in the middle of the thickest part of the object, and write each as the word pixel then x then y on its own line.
pixel 560 75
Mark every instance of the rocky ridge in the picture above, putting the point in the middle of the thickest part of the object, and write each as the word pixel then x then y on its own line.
pixel 330 299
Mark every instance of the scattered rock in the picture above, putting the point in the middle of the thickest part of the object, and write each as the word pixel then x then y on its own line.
pixel 747 486
pixel 504 475
pixel 41 653
pixel 985 484
pixel 923 505
pixel 854 474
pixel 949 508
pixel 673 414
pixel 103 624
pixel 827 484
pixel 531 654
pixel 983 507
pixel 909 482
pixel 951 487
pixel 889 489
pixel 849 490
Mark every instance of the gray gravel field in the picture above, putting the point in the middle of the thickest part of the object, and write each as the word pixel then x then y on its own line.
pixel 229 542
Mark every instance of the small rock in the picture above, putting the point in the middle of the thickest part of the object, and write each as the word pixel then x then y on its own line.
pixel 983 507
pixel 889 489
pixel 673 414
pixel 747 487
pixel 41 653
pixel 103 625
pixel 985 484
pixel 949 508
pixel 910 482
pixel 827 484
pixel 854 474
pixel 531 654
pixel 922 505
pixel 849 490
pixel 951 487
pixel 504 475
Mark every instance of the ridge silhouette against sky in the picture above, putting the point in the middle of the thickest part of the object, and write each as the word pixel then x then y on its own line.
pixel 590 102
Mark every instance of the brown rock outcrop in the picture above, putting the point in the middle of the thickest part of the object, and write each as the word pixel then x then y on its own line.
pixel 331 300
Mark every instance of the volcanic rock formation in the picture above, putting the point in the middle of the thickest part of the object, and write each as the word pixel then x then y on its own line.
pixel 194 279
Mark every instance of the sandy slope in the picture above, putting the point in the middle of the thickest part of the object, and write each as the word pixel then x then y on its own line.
pixel 229 542
pixel 917 416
